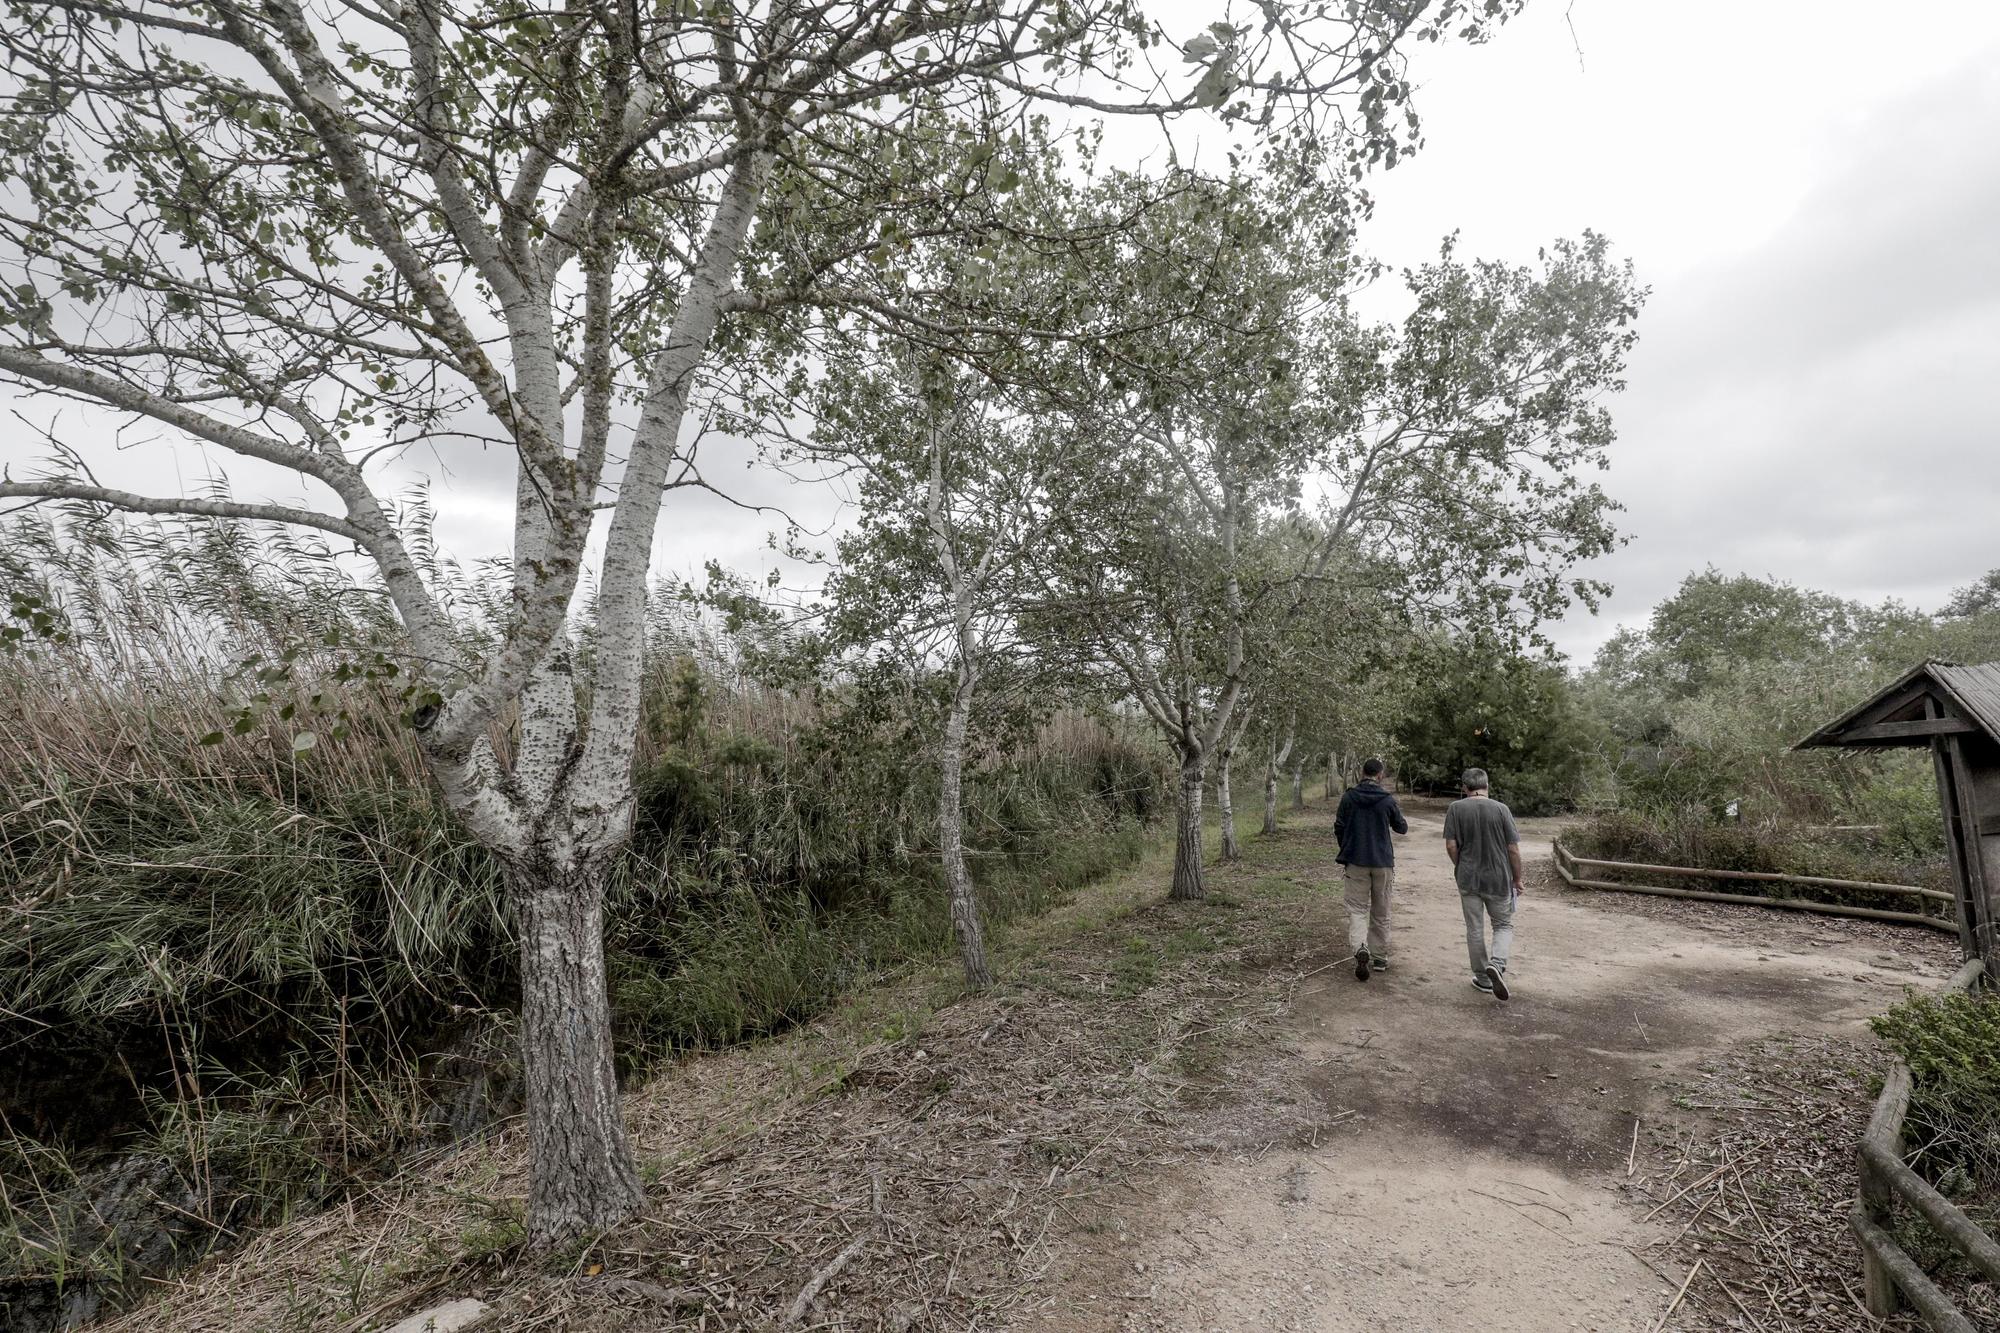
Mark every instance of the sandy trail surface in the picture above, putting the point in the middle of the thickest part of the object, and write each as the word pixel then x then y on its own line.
pixel 1464 1157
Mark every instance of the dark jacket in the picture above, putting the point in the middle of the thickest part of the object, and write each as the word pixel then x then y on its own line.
pixel 1367 813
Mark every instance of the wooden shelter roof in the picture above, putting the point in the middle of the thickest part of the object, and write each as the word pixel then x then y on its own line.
pixel 1967 699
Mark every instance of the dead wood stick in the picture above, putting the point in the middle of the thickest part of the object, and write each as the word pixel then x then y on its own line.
pixel 810 1292
pixel 1341 962
pixel 1696 1218
pixel 1697 1185
pixel 1874 1321
pixel 1783 1256
pixel 1737 1301
pixel 1632 1156
pixel 1679 1296
pixel 1519 1209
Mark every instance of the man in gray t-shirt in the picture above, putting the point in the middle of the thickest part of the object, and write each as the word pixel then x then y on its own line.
pixel 1485 851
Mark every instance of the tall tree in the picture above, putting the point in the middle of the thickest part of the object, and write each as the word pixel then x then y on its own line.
pixel 1157 573
pixel 321 237
pixel 954 496
pixel 1450 447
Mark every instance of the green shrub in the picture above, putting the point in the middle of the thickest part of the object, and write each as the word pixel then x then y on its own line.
pixel 1693 839
pixel 1514 716
pixel 1951 1041
pixel 257 964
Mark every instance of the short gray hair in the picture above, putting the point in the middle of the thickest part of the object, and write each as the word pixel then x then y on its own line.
pixel 1474 779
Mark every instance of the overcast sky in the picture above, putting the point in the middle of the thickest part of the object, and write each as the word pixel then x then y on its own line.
pixel 1813 194
pixel 1811 188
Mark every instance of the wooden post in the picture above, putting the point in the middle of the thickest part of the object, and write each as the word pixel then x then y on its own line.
pixel 1877 1199
pixel 1978 880
pixel 1954 841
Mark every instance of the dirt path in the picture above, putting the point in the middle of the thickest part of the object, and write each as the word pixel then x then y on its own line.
pixel 1465 1172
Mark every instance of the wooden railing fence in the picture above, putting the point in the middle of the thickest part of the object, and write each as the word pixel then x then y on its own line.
pixel 1889 1274
pixel 1573 870
pixel 1886 1268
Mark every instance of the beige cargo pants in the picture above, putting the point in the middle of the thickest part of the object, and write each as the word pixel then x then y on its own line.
pixel 1368 889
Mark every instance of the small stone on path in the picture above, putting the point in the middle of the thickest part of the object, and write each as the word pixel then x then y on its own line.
pixel 451 1317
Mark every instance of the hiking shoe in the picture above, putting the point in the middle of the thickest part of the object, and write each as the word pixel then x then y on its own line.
pixel 1495 982
pixel 1481 983
pixel 1379 964
pixel 1362 964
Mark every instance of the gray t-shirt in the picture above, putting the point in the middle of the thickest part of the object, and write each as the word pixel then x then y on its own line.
pixel 1484 829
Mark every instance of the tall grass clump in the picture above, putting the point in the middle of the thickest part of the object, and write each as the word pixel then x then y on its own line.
pixel 249 955
pixel 1696 839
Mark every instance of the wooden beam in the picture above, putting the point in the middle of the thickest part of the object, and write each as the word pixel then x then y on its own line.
pixel 1980 905
pixel 1957 843
pixel 1766 877
pixel 1936 1308
pixel 1758 900
pixel 1917 729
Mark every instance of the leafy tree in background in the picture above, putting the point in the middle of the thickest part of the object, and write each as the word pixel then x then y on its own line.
pixel 1978 598
pixel 1515 716
pixel 955 492
pixel 1450 447
pixel 1731 671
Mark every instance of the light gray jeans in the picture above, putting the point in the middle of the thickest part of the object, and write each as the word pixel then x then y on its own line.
pixel 1367 892
pixel 1477 908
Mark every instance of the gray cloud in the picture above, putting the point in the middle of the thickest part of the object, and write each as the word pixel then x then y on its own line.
pixel 1823 406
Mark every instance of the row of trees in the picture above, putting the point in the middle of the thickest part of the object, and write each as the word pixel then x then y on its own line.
pixel 1699 707
pixel 1113 431
pixel 1689 716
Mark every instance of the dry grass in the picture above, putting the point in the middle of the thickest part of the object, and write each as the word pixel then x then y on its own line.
pixel 1758 1191
pixel 902 1163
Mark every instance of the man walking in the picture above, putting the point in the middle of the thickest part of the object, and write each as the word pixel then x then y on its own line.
pixel 1367 813
pixel 1485 847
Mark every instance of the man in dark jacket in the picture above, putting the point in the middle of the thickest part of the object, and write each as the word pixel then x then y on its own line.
pixel 1367 814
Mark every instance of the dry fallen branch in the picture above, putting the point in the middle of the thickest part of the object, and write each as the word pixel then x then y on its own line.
pixel 810 1292
pixel 1679 1296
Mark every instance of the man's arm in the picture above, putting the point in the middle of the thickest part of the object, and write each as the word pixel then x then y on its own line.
pixel 1514 853
pixel 1396 820
pixel 1451 849
pixel 1340 820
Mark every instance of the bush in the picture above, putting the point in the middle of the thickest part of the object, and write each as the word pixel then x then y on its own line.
pixel 261 968
pixel 1693 839
pixel 1951 1042
pixel 1515 717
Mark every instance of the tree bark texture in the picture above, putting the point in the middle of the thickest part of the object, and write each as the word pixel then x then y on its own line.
pixel 951 834
pixel 581 1174
pixel 1299 786
pixel 1226 807
pixel 1274 764
pixel 1188 883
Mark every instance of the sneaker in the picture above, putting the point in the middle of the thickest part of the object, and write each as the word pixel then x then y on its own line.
pixel 1481 983
pixel 1379 964
pixel 1495 982
pixel 1362 964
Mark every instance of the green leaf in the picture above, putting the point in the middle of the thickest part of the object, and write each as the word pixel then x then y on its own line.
pixel 304 741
